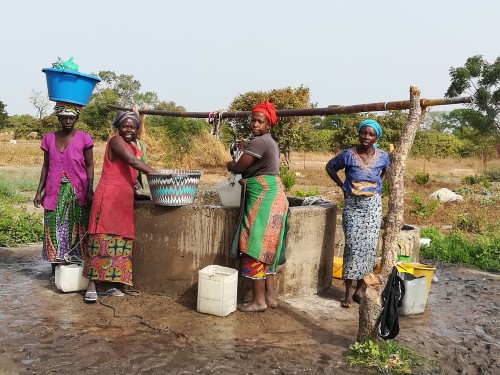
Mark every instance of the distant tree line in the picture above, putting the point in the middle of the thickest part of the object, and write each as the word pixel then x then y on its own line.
pixel 473 131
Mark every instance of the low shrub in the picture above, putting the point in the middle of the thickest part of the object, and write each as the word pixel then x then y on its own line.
pixel 492 174
pixel 481 251
pixel 18 227
pixel 422 209
pixel 421 178
pixel 312 192
pixel 386 356
pixel 287 177
pixel 471 222
pixel 473 180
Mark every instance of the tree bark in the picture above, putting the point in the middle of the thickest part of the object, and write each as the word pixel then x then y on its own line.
pixel 371 306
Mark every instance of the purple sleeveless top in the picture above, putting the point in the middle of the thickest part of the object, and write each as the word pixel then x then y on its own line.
pixel 70 161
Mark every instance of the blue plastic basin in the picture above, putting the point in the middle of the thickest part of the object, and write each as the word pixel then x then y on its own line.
pixel 69 86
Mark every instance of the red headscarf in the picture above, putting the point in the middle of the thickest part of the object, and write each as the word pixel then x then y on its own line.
pixel 268 109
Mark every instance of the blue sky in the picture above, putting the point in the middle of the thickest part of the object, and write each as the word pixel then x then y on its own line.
pixel 202 54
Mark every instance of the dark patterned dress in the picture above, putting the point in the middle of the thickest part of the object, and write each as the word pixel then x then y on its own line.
pixel 362 211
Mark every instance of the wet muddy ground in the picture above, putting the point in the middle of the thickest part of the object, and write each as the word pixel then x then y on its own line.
pixel 44 331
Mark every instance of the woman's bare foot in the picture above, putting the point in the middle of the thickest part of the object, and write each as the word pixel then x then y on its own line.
pixel 346 303
pixel 251 307
pixel 271 301
pixel 357 297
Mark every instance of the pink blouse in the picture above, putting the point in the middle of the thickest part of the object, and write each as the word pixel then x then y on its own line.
pixel 70 161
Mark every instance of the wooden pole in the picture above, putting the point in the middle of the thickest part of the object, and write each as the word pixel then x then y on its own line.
pixel 357 108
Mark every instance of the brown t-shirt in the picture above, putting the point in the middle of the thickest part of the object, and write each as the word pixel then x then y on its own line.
pixel 266 150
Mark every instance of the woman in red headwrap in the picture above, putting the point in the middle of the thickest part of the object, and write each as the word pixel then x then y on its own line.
pixel 260 233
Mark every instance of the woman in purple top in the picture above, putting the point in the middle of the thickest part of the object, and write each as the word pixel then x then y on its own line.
pixel 65 187
pixel 365 168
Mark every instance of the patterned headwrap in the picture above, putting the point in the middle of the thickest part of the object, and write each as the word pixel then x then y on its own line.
pixel 372 124
pixel 268 109
pixel 124 115
pixel 66 109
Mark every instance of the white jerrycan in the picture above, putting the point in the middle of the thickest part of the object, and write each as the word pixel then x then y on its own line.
pixel 229 191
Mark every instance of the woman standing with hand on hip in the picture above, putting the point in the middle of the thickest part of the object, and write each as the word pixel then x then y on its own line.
pixel 111 224
pixel 365 169
pixel 259 236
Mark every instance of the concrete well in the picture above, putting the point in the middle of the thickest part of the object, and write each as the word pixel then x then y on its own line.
pixel 173 243
pixel 408 241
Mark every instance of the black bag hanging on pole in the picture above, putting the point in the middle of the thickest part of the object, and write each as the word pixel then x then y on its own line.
pixel 392 298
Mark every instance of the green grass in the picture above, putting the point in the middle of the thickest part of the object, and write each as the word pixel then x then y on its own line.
pixel 17 226
pixel 386 356
pixel 481 251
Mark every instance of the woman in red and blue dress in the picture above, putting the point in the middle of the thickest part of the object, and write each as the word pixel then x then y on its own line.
pixel 111 223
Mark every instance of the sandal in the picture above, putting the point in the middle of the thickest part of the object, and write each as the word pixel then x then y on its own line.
pixel 91 296
pixel 113 292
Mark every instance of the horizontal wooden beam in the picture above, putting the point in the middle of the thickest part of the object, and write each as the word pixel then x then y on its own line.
pixel 334 110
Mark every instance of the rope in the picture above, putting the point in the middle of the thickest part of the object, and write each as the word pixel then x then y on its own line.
pixel 75 258
pixel 215 118
pixel 141 318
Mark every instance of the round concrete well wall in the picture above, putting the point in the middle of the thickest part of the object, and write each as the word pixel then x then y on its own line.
pixel 173 243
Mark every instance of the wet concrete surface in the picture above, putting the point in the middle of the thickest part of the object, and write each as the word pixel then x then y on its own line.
pixel 44 331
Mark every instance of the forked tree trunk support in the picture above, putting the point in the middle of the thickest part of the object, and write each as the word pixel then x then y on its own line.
pixel 371 306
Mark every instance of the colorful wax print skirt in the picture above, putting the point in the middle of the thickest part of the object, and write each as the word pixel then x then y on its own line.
pixel 261 230
pixel 255 269
pixel 65 228
pixel 361 219
pixel 109 258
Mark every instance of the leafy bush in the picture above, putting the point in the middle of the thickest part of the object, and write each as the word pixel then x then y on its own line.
pixel 18 227
pixel 470 222
pixel 482 251
pixel 387 356
pixel 473 180
pixel 287 177
pixel 314 191
pixel 434 144
pixel 421 209
pixel 421 178
pixel 492 175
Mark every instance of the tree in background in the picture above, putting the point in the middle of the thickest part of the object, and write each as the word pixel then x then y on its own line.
pixel 22 125
pixel 127 89
pixel 116 89
pixel 3 115
pixel 481 80
pixel 289 130
pixel 435 122
pixel 40 101
pixel 475 129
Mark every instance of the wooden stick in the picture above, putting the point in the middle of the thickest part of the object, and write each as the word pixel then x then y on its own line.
pixel 357 108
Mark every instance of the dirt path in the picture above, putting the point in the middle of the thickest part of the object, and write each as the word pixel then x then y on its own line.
pixel 43 331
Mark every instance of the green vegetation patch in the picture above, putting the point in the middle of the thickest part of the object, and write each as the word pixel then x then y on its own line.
pixel 481 251
pixel 386 356
pixel 17 226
